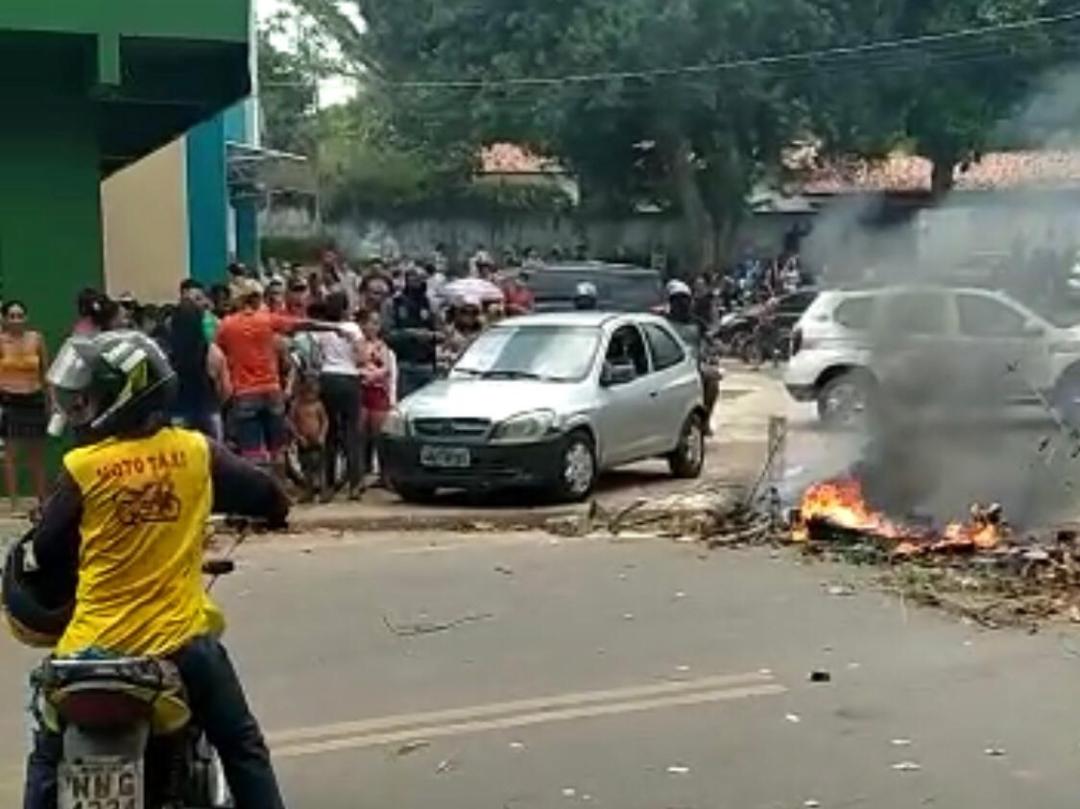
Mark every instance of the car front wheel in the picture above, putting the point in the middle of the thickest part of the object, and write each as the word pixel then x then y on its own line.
pixel 413 494
pixel 577 468
pixel 688 458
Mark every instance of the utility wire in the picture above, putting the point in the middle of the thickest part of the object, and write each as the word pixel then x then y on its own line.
pixel 517 98
pixel 889 56
pixel 768 60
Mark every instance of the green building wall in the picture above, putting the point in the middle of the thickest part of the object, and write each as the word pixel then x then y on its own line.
pixel 50 217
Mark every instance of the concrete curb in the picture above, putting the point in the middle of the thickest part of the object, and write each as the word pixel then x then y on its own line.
pixel 419 519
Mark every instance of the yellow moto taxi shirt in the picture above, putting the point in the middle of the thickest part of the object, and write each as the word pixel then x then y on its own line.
pixel 145 503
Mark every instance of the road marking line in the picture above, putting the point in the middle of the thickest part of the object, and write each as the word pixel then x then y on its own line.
pixel 522 720
pixel 365 726
pixel 497 709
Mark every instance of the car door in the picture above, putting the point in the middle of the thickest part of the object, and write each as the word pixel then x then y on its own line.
pixel 1007 346
pixel 676 382
pixel 914 351
pixel 626 406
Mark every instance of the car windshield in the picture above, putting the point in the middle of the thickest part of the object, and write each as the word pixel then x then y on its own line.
pixel 551 353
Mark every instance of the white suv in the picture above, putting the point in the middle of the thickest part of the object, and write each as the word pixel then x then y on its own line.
pixel 849 344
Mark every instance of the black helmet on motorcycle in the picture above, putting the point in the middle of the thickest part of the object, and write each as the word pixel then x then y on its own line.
pixel 38 607
pixel 113 382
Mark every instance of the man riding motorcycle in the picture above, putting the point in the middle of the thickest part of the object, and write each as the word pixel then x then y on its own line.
pixel 694 333
pixel 126 521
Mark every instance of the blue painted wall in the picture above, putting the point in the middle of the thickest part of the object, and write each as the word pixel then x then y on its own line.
pixel 236 123
pixel 247 231
pixel 245 211
pixel 207 200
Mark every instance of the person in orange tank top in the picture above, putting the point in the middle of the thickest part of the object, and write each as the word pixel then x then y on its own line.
pixel 24 399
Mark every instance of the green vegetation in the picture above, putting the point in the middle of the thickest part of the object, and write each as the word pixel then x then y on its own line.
pixel 676 104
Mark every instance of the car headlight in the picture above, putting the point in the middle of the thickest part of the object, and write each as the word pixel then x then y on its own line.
pixel 525 427
pixel 395 424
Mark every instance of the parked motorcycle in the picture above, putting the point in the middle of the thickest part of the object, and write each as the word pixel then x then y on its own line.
pixel 128 737
pixel 766 343
pixel 732 333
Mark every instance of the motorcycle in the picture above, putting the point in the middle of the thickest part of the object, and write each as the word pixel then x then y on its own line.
pixel 736 330
pixel 128 737
pixel 765 344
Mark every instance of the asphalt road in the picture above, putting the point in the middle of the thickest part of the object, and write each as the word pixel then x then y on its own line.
pixel 521 671
pixel 410 670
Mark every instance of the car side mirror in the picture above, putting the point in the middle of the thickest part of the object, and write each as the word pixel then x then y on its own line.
pixel 1033 331
pixel 617 374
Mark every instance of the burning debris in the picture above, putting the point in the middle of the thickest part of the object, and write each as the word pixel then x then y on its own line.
pixel 980 569
pixel 838 510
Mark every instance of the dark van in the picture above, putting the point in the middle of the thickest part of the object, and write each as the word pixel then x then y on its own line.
pixel 620 287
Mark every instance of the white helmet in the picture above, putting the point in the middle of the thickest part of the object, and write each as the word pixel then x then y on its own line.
pixel 585 296
pixel 676 288
pixel 586 289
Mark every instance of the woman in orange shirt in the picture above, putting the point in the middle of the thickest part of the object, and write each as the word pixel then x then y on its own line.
pixel 23 362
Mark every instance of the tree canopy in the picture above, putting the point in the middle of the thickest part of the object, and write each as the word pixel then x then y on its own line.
pixel 683 104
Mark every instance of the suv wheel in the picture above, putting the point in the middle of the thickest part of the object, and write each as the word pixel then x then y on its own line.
pixel 577 468
pixel 688 458
pixel 846 400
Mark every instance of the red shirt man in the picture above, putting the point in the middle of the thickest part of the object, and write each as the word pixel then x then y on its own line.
pixel 248 338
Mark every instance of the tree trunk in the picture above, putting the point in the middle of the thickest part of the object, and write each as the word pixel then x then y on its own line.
pixel 725 187
pixel 697 223
pixel 725 230
pixel 941 177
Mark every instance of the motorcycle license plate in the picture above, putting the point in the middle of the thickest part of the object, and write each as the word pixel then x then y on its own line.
pixel 445 457
pixel 101 784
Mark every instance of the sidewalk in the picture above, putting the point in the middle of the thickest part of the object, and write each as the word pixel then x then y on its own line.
pixel 735 457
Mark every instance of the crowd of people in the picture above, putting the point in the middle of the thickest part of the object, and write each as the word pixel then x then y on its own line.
pixel 313 359
pixel 298 367
pixel 309 359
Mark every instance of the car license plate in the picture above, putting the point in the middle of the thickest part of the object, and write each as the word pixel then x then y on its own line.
pixel 445 457
pixel 106 783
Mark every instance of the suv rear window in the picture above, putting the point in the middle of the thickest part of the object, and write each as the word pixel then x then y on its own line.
pixel 855 313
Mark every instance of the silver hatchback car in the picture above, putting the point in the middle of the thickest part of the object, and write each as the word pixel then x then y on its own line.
pixel 551 401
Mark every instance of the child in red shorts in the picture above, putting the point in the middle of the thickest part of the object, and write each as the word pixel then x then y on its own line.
pixel 378 383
